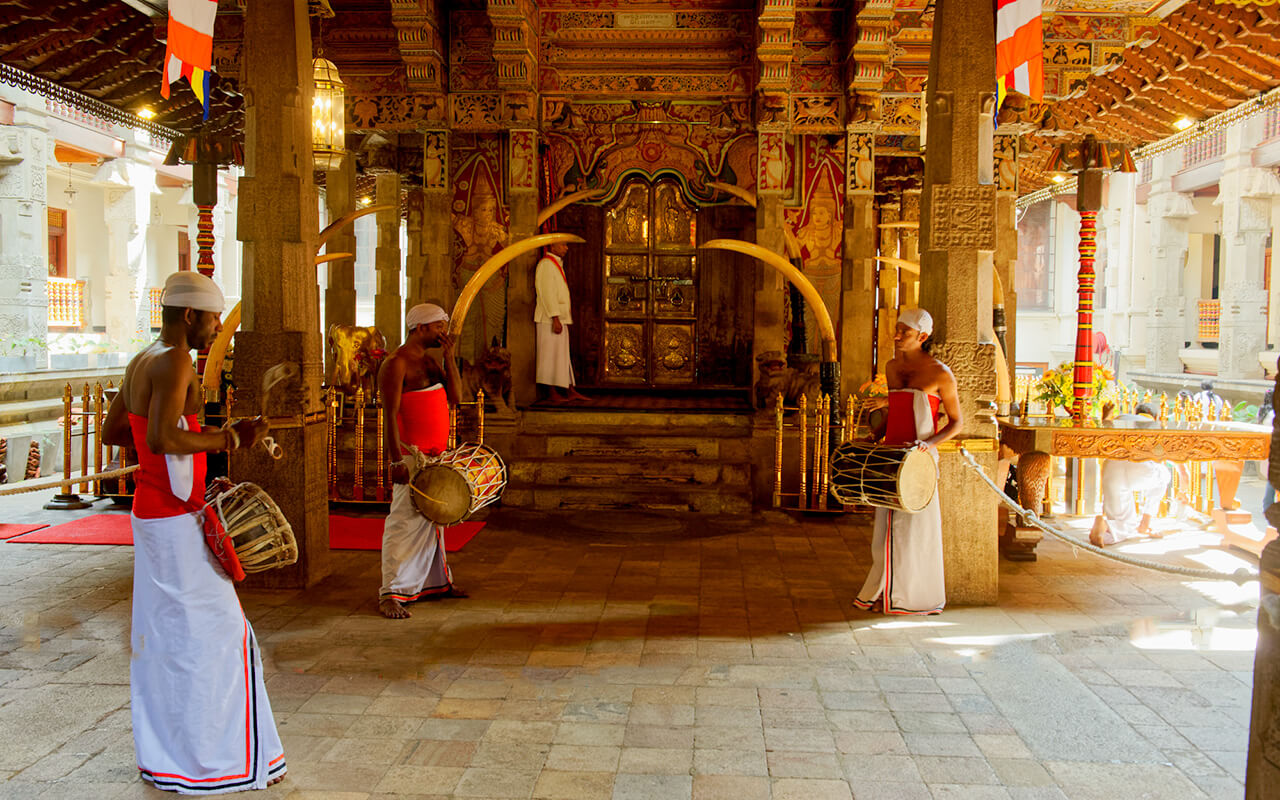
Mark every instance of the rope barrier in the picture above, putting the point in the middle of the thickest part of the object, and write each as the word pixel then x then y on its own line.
pixel 1240 576
pixel 60 482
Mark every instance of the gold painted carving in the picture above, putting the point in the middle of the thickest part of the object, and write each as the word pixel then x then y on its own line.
pixel 963 217
pixel 974 365
pixel 1158 445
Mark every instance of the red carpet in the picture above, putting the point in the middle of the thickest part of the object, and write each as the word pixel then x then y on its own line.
pixel 8 530
pixel 345 533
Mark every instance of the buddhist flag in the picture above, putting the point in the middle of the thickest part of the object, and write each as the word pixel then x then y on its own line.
pixel 1019 48
pixel 189 51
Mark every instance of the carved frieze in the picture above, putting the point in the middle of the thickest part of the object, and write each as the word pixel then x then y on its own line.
pixel 860 169
pixel 475 111
pixel 522 160
pixel 816 114
pixel 963 216
pixel 435 160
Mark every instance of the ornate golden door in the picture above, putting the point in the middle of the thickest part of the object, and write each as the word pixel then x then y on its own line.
pixel 650 287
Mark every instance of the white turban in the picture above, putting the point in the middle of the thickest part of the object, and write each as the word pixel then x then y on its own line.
pixel 192 290
pixel 424 314
pixel 917 319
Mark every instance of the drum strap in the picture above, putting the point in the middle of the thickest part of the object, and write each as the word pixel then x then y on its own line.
pixel 214 534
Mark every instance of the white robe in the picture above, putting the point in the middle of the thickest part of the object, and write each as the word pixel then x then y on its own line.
pixel 906 549
pixel 1120 479
pixel 413 558
pixel 202 723
pixel 553 365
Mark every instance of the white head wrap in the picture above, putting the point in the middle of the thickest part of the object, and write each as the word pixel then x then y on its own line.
pixel 917 319
pixel 192 290
pixel 424 314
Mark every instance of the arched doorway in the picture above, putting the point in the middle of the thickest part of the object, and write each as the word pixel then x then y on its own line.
pixel 651 311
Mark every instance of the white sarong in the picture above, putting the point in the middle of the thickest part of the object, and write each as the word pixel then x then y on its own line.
pixel 906 549
pixel 554 367
pixel 202 723
pixel 1120 479
pixel 413 558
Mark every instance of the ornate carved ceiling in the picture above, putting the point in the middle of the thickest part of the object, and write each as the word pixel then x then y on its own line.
pixel 807 66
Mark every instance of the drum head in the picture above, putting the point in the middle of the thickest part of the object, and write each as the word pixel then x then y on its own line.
pixel 917 480
pixel 441 494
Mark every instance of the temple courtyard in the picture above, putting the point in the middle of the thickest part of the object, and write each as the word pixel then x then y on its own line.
pixel 644 655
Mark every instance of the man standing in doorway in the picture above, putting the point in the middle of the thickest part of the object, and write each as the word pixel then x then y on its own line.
pixel 553 317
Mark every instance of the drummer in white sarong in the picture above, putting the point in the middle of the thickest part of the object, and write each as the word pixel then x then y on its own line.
pixel 906 574
pixel 202 723
pixel 414 565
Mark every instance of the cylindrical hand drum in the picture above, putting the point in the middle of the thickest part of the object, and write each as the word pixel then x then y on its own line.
pixel 889 477
pixel 255 536
pixel 454 485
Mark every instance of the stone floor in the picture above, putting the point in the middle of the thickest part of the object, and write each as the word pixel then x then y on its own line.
pixel 637 656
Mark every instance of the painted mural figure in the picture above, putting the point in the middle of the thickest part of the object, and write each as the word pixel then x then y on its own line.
pixel 483 234
pixel 819 240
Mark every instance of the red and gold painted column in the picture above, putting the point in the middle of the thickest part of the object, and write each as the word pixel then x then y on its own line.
pixel 1083 374
pixel 204 191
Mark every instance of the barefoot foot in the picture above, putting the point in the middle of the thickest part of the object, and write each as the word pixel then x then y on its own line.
pixel 1100 534
pixel 392 609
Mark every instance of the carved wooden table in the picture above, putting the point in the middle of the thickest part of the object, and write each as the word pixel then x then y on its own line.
pixel 1031 444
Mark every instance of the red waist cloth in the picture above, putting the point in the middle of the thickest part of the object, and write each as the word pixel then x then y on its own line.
pixel 159 476
pixel 903 426
pixel 423 419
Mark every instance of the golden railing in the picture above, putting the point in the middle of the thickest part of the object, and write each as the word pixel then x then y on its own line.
pixel 66 303
pixel 156 317
pixel 1207 314
pixel 84 421
pixel 813 435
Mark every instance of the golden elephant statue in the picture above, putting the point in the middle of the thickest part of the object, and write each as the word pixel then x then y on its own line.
pixel 357 354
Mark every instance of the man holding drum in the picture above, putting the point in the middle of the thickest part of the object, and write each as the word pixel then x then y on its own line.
pixel 416 393
pixel 906 549
pixel 201 719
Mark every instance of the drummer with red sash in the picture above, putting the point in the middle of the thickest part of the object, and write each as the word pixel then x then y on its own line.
pixel 906 549
pixel 416 393
pixel 202 723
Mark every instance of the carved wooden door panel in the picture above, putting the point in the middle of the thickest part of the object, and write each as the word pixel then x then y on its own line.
pixel 650 287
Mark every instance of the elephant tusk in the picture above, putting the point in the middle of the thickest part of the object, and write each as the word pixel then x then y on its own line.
pixel 496 262
pixel 218 351
pixel 332 257
pixel 347 219
pixel 810 292
pixel 568 200
pixel 736 191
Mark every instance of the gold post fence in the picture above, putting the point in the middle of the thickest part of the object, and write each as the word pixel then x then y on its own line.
pixel 358 491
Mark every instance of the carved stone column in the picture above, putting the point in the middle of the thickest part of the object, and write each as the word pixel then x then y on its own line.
pixel 770 289
pixel 858 283
pixel 278 216
pixel 129 186
pixel 388 306
pixel 522 199
pixel 1168 212
pixel 340 293
pixel 24 250
pixel 1005 260
pixel 909 244
pixel 889 299
pixel 436 284
pixel 957 244
pixel 415 261
pixel 1245 193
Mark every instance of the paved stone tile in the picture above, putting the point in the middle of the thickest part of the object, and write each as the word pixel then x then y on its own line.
pixel 656 760
pixel 793 764
pixel 729 762
pixel 941 744
pixel 731 787
pixel 1108 781
pixel 717 738
pixel 1020 772
pixel 801 739
pixel 583 758
pixel 882 768
pixel 553 785
pixel 951 769
pixel 648 787
pixel 956 791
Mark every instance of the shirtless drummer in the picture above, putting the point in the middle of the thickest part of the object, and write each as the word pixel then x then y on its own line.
pixel 414 565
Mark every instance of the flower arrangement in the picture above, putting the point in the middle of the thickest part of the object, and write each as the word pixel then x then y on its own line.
pixel 1056 387
pixel 878 387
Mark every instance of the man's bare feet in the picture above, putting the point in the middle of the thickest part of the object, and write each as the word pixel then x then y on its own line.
pixel 577 397
pixel 1100 534
pixel 275 780
pixel 557 399
pixel 391 608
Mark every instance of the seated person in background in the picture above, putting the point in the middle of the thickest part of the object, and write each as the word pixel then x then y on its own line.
pixel 1119 520
pixel 1209 400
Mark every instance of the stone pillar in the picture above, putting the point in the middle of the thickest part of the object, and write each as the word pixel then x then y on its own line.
pixel 437 231
pixel 415 260
pixel 909 248
pixel 340 289
pixel 957 240
pixel 24 246
pixel 858 282
pixel 1005 259
pixel 888 298
pixel 130 182
pixel 388 306
pixel 1168 212
pixel 278 217
pixel 1245 193
pixel 522 199
pixel 770 286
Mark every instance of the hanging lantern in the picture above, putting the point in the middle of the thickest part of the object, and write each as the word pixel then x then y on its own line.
pixel 328 107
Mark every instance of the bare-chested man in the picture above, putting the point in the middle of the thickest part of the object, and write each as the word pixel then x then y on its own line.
pixel 906 549
pixel 416 394
pixel 201 719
